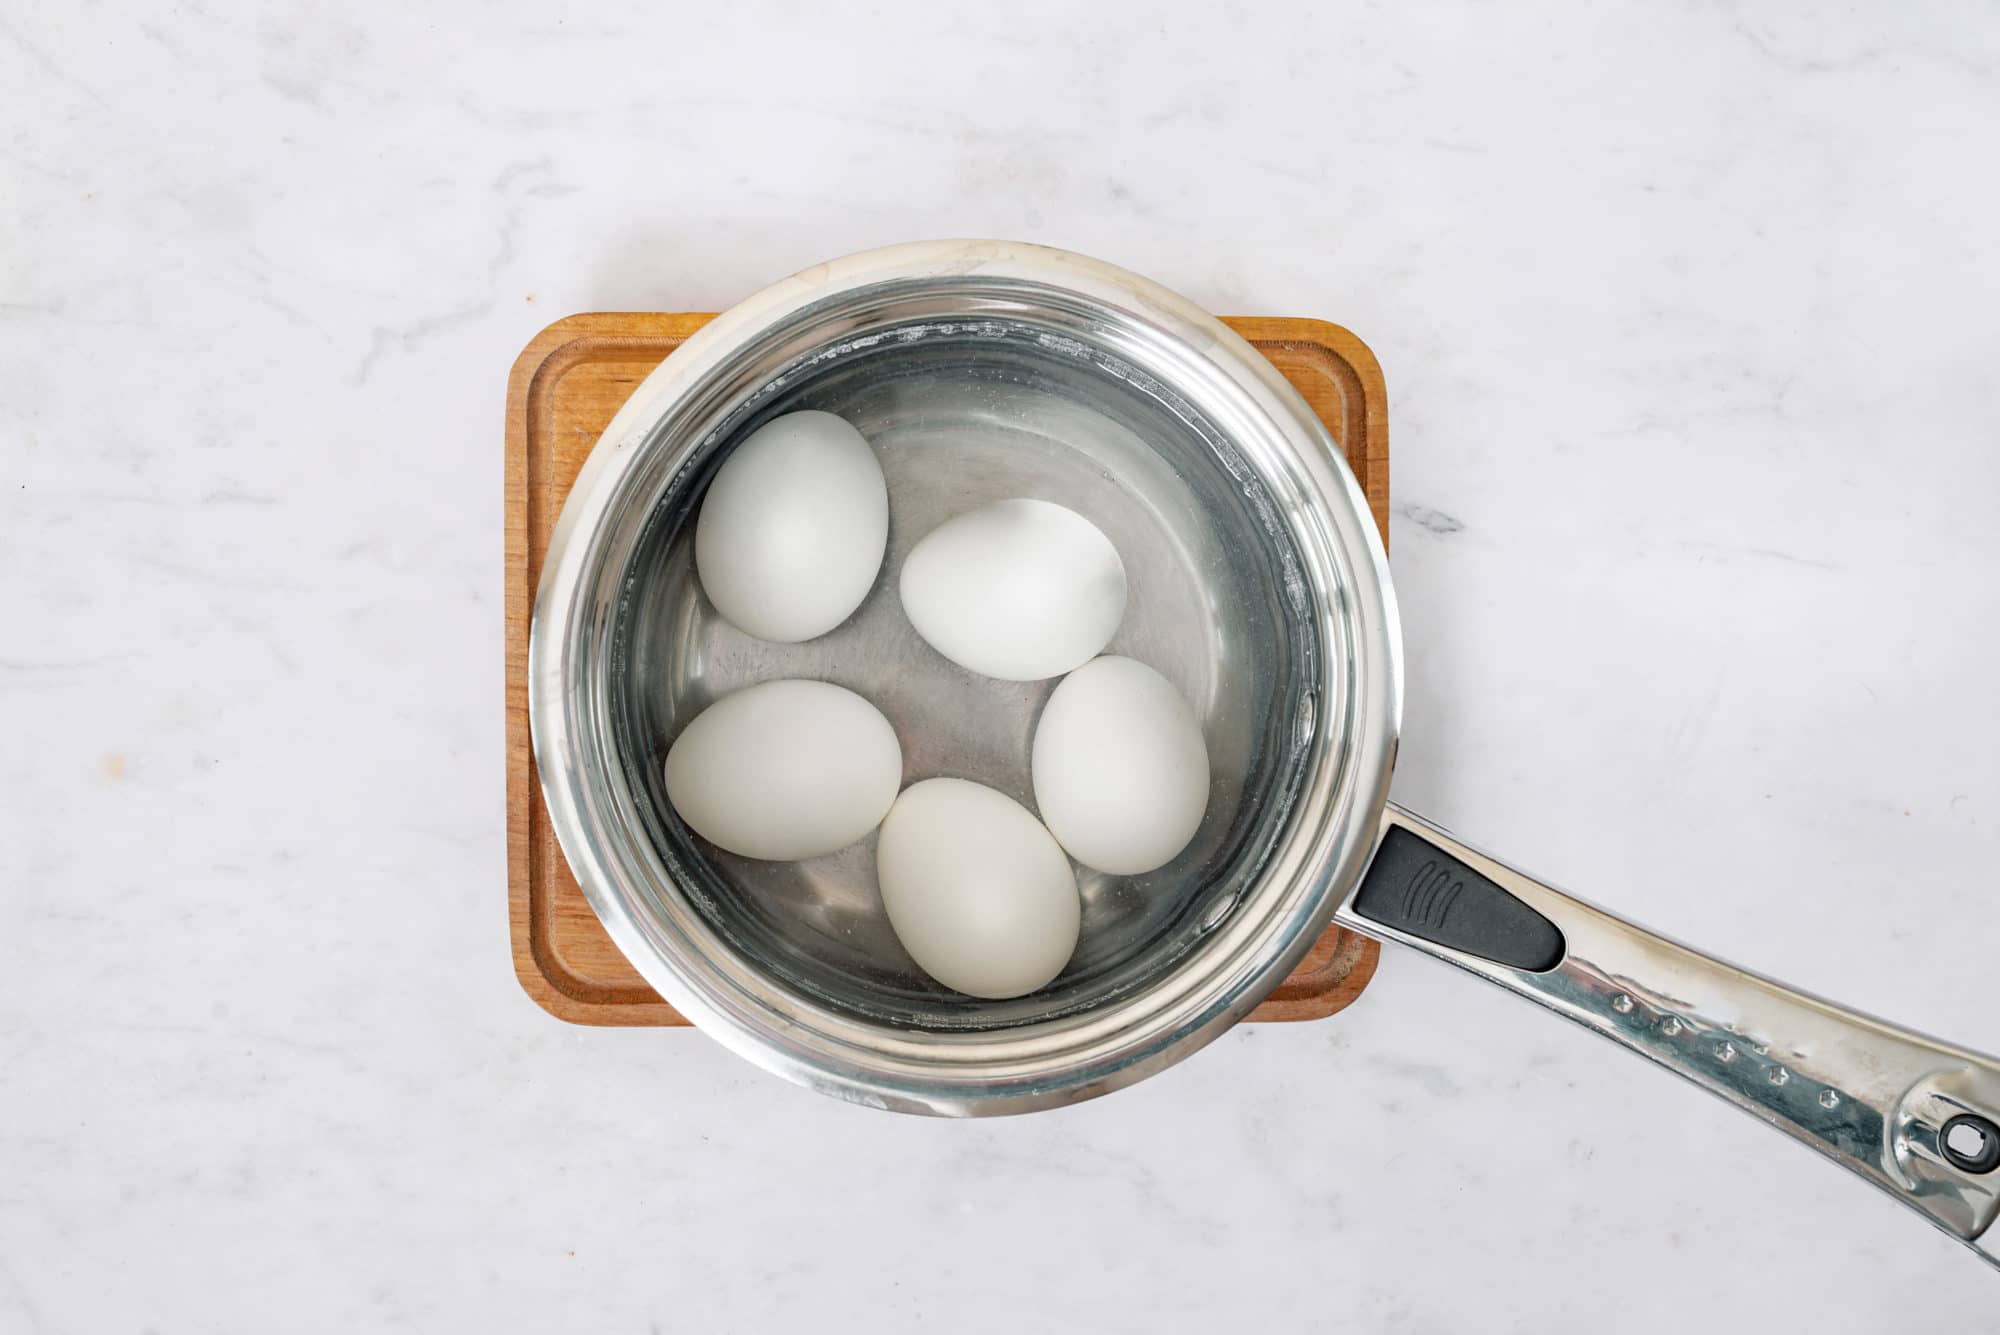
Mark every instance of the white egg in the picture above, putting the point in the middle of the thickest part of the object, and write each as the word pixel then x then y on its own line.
pixel 1018 590
pixel 1119 766
pixel 977 891
pixel 793 527
pixel 785 769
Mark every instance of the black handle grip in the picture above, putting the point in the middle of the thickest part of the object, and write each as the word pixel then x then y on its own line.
pixel 1418 888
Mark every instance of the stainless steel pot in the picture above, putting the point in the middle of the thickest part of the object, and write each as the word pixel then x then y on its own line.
pixel 1259 585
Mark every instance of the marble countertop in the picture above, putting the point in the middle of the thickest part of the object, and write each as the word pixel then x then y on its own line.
pixel 1688 313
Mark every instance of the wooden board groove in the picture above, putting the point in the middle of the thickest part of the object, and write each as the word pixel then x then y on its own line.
pixel 565 386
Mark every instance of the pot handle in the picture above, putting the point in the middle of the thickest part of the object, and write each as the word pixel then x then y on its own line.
pixel 1918 1118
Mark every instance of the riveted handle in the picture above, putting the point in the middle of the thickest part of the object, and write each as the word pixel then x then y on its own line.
pixel 1918 1118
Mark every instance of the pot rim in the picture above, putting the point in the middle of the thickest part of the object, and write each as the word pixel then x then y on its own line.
pixel 1331 832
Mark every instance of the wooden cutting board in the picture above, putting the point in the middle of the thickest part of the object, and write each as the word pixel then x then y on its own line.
pixel 565 386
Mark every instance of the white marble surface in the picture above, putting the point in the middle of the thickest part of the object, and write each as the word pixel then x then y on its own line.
pixel 1689 316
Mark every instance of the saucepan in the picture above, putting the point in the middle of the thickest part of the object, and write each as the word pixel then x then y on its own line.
pixel 1259 587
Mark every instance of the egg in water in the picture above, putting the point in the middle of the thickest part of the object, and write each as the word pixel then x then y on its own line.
pixel 785 770
pixel 976 889
pixel 1018 589
pixel 1119 766
pixel 793 527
